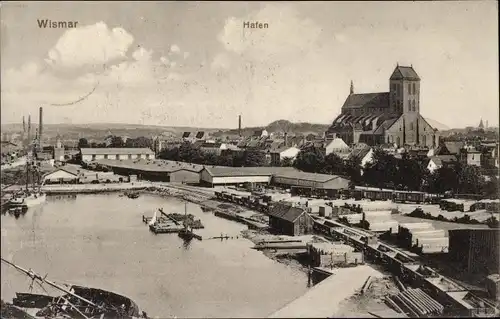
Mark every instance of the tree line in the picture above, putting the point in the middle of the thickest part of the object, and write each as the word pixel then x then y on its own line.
pixel 187 152
pixel 405 173
pixel 117 141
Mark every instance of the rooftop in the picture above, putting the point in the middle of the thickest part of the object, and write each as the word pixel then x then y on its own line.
pixel 117 151
pixel 286 212
pixel 224 171
pixel 152 165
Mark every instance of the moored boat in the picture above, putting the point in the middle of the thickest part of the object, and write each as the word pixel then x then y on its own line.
pixel 74 302
pixel 27 200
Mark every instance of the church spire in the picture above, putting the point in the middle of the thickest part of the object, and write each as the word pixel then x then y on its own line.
pixel 352 88
pixel 481 123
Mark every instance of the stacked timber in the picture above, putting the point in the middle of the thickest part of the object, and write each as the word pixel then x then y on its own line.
pixel 325 211
pixel 381 221
pixel 417 303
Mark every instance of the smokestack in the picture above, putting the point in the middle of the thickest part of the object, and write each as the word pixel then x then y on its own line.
pixel 24 126
pixel 29 129
pixel 40 125
pixel 239 125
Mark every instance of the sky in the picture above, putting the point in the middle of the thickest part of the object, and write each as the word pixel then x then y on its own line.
pixel 194 64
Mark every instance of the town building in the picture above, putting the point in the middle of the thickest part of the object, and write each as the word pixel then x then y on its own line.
pixel 436 162
pixel 92 154
pixel 217 148
pixel 476 250
pixel 489 157
pixel 224 175
pixel 338 147
pixel 386 117
pixel 363 153
pixel 449 148
pixel 281 153
pixel 304 180
pixel 469 155
pixel 62 175
pixel 260 133
pixel 156 170
pixel 59 149
pixel 288 220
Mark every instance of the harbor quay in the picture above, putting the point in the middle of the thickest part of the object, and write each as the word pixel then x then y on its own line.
pixel 307 232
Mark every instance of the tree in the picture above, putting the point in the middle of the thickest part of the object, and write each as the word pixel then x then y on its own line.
pixel 411 173
pixel 83 143
pixel 310 160
pixel 286 162
pixel 141 141
pixel 470 180
pixel 116 141
pixel 352 167
pixel 333 164
pixel 382 171
pixel 490 188
pixel 492 222
pixel 253 159
pixel 225 159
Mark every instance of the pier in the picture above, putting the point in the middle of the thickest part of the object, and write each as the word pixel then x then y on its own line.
pixel 322 300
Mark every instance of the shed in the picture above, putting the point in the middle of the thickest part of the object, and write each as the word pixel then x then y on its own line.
pixel 289 220
pixel 61 175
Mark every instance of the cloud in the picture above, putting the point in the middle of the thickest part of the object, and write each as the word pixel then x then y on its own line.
pixel 90 45
pixel 174 48
pixel 221 61
pixel 287 33
pixel 122 88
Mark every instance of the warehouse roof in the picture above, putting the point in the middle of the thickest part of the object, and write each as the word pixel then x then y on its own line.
pixel 286 212
pixel 118 151
pixel 306 176
pixel 225 171
pixel 152 165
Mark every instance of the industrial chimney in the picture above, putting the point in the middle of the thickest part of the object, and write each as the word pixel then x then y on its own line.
pixel 29 129
pixel 239 125
pixel 24 126
pixel 40 125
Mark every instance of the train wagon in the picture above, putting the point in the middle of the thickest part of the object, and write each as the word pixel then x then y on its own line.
pixel 408 196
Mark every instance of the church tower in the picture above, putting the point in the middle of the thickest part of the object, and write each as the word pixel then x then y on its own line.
pixel 404 90
pixel 59 149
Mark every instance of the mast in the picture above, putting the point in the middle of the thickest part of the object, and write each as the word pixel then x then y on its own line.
pixel 36 276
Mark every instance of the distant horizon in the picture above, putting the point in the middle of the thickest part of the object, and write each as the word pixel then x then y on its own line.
pixel 201 127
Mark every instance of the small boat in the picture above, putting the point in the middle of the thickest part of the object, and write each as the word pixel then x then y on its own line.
pixel 74 302
pixel 161 227
pixel 28 200
pixel 132 195
pixel 18 211
pixel 186 233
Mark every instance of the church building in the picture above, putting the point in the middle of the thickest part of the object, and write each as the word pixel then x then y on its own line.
pixel 386 117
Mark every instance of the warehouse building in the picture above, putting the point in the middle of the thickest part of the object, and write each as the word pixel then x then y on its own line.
pixel 223 175
pixel 93 154
pixel 156 170
pixel 475 249
pixel 302 183
pixel 289 220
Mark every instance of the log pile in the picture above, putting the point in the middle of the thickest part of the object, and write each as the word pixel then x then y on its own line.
pixel 416 303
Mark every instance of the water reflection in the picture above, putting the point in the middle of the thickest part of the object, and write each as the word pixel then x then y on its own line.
pixel 101 241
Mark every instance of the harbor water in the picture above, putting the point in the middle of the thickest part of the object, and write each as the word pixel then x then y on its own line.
pixel 101 241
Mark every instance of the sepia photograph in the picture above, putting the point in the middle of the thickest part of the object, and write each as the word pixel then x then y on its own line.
pixel 241 159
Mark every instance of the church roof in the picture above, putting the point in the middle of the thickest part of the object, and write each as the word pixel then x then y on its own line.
pixel 385 125
pixel 404 73
pixel 380 99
